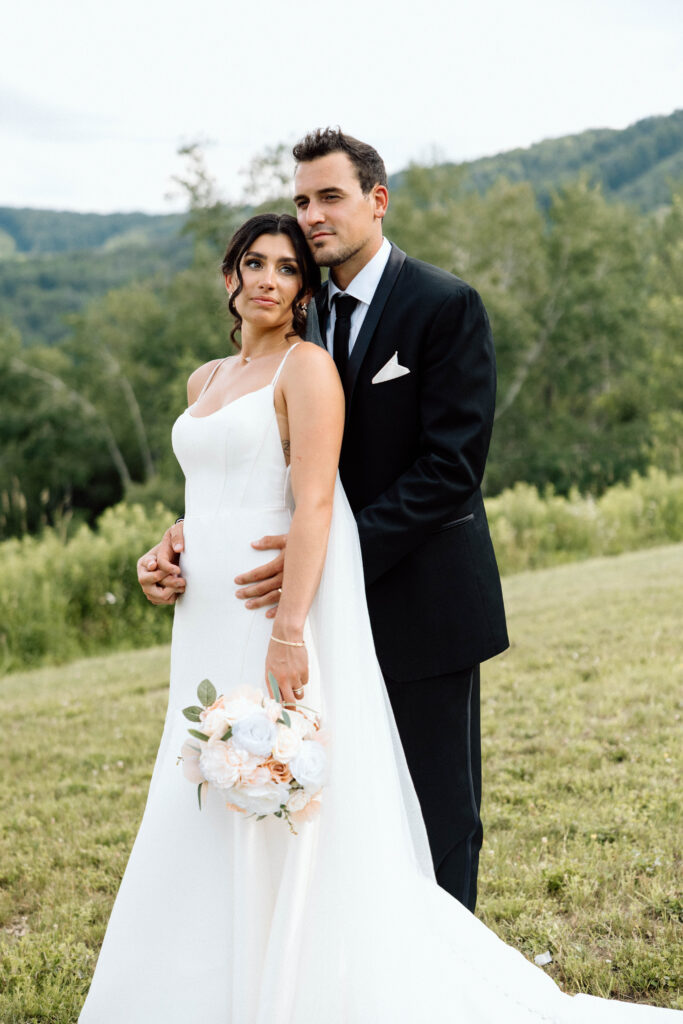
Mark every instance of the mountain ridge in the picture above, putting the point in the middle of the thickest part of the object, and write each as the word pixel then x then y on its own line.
pixel 635 164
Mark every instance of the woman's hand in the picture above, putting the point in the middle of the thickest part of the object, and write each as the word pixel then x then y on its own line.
pixel 158 569
pixel 289 665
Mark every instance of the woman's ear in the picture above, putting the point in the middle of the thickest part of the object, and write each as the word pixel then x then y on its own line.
pixel 228 283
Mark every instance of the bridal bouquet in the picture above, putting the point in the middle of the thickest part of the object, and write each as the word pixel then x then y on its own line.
pixel 264 758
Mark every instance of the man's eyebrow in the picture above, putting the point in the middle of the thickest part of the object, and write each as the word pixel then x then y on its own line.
pixel 321 192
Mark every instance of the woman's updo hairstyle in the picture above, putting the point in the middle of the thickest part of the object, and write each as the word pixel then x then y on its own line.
pixel 242 241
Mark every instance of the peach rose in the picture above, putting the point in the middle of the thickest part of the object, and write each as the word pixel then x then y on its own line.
pixel 278 772
pixel 214 720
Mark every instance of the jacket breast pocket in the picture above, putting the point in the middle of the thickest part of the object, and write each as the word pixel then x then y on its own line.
pixel 455 522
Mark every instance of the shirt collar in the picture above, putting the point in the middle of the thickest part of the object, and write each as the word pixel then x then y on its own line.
pixel 364 284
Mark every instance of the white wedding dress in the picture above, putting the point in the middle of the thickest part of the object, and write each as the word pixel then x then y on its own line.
pixel 227 920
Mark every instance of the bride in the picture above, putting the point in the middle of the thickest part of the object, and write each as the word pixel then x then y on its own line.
pixel 221 919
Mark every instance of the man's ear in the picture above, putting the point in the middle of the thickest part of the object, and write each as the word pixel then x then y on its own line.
pixel 380 198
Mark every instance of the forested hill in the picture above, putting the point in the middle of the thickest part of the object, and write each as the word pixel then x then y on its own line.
pixel 637 164
pixel 39 231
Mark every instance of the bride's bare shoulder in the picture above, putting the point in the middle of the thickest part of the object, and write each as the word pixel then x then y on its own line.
pixel 311 362
pixel 198 379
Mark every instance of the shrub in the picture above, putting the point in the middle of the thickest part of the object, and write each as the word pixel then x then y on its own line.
pixel 62 599
pixel 531 530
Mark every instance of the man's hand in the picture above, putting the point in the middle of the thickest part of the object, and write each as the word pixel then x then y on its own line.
pixel 159 569
pixel 260 587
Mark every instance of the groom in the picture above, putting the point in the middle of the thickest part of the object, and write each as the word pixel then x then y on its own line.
pixel 414 350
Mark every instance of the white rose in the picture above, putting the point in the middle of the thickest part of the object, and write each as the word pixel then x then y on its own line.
pixel 255 733
pixel 237 707
pixel 309 767
pixel 265 798
pixel 287 744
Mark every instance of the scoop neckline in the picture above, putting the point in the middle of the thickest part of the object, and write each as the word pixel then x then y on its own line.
pixel 226 405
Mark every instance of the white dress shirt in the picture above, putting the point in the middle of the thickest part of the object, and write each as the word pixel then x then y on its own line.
pixel 363 288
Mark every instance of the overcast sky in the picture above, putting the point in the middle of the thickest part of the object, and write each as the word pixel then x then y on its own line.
pixel 96 98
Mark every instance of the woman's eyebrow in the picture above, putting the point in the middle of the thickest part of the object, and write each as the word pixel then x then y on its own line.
pixel 280 259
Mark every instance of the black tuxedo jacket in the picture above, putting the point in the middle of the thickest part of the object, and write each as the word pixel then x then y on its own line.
pixel 412 462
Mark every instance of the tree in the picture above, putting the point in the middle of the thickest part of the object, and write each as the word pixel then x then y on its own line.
pixel 663 367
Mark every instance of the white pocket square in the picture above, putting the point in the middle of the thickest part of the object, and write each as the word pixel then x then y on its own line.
pixel 390 371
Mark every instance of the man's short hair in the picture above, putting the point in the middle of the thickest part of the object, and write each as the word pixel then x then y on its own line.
pixel 367 161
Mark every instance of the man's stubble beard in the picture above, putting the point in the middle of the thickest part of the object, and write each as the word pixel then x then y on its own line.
pixel 340 256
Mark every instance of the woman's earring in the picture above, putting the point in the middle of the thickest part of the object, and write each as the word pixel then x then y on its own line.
pixel 303 306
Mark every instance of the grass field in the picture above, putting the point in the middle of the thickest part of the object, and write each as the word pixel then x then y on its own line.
pixel 581 724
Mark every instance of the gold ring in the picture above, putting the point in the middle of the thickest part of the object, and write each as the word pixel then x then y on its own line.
pixel 299 692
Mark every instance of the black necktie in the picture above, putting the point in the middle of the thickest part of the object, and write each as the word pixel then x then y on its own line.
pixel 344 306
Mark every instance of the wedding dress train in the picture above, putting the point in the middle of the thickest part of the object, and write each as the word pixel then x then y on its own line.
pixel 225 920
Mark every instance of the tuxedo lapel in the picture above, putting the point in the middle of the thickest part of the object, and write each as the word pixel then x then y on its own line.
pixel 379 301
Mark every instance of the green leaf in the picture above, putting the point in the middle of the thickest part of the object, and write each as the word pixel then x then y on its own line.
pixel 227 735
pixel 199 794
pixel 198 735
pixel 285 719
pixel 278 814
pixel 260 817
pixel 192 713
pixel 274 687
pixel 206 692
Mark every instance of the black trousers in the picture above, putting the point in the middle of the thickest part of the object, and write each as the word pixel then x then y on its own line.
pixel 438 721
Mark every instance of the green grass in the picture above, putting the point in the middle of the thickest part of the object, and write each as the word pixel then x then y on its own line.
pixel 581 734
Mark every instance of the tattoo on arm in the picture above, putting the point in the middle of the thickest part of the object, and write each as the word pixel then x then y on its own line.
pixel 286 448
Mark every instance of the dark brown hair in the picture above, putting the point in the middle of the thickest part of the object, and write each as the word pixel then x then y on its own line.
pixel 367 161
pixel 241 242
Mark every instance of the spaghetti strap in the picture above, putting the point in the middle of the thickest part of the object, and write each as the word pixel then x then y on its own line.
pixel 279 369
pixel 209 379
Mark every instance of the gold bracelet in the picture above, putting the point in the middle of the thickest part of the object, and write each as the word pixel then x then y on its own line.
pixel 288 643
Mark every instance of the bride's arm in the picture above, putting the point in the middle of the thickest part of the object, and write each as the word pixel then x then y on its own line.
pixel 315 411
